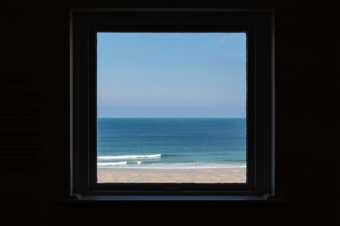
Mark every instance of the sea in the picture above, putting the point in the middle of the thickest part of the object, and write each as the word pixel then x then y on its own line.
pixel 171 142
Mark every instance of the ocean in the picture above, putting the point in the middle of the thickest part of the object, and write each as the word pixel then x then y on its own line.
pixel 171 142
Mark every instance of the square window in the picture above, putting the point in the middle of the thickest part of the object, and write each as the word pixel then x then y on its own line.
pixel 172 105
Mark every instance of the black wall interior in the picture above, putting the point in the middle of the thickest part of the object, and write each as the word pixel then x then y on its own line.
pixel 34 133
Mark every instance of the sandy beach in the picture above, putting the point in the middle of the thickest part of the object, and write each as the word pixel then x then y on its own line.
pixel 195 175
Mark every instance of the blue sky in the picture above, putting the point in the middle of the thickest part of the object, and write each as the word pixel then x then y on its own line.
pixel 171 74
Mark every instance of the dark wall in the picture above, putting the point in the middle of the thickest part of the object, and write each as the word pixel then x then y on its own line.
pixel 34 115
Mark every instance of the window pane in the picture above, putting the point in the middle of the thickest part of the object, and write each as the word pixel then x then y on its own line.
pixel 171 107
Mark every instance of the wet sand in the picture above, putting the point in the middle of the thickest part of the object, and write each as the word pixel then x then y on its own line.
pixel 196 175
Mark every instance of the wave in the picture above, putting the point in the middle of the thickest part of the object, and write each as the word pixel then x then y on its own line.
pixel 127 157
pixel 112 163
pixel 140 165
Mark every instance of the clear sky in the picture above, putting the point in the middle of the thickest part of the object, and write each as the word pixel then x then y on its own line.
pixel 171 74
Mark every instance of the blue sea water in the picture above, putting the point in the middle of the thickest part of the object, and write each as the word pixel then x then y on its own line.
pixel 171 142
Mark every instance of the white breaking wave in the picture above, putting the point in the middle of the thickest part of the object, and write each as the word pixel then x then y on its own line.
pixel 112 163
pixel 126 157
pixel 175 166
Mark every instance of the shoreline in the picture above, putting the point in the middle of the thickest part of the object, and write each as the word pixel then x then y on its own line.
pixel 175 175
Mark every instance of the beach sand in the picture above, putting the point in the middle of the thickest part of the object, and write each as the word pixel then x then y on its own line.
pixel 196 175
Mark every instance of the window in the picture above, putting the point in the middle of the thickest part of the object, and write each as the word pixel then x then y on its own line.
pixel 172 104
pixel 171 107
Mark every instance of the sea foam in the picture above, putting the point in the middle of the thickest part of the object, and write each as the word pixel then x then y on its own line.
pixel 170 166
pixel 112 163
pixel 127 157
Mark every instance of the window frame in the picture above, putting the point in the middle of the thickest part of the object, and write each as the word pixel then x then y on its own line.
pixel 258 25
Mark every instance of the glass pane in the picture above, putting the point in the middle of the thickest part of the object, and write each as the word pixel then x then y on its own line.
pixel 171 107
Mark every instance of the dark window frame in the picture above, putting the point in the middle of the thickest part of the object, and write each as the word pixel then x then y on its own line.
pixel 258 25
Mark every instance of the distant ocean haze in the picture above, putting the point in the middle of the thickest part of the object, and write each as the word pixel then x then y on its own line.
pixel 171 142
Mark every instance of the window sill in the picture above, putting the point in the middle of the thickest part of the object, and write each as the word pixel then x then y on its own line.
pixel 173 198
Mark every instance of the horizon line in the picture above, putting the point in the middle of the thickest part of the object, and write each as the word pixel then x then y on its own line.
pixel 174 117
